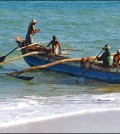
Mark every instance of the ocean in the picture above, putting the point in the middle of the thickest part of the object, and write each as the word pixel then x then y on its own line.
pixel 85 25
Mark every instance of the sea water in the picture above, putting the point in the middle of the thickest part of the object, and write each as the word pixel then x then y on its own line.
pixel 85 25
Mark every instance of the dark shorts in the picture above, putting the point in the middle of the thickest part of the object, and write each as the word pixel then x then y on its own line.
pixel 29 39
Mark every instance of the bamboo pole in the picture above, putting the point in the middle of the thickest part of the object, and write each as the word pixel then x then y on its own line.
pixel 51 64
pixel 72 49
pixel 44 66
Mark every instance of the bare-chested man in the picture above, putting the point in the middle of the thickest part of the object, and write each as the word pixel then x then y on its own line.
pixel 116 59
pixel 56 47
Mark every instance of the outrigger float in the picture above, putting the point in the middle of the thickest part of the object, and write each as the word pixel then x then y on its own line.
pixel 73 66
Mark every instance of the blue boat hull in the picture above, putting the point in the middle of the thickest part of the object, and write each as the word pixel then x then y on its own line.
pixel 100 73
pixel 73 70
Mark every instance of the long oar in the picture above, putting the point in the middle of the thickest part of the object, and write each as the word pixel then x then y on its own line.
pixel 88 66
pixel 2 58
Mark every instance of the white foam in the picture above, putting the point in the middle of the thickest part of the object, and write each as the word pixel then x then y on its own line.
pixel 41 108
pixel 17 106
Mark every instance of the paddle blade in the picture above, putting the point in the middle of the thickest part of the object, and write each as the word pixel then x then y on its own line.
pixel 22 77
pixel 2 58
pixel 81 79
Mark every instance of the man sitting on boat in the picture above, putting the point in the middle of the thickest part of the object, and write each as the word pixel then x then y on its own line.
pixel 116 59
pixel 105 57
pixel 56 47
pixel 31 31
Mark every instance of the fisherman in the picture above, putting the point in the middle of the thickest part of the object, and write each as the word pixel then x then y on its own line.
pixel 56 47
pixel 106 56
pixel 116 59
pixel 31 31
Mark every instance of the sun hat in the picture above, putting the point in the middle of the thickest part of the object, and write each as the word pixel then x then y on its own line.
pixel 54 37
pixel 33 21
pixel 107 46
pixel 118 51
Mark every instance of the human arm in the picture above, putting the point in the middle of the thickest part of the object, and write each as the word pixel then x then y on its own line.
pixel 37 30
pixel 59 47
pixel 33 30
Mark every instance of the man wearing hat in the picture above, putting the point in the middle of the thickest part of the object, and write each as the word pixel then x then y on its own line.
pixel 116 59
pixel 56 47
pixel 106 56
pixel 31 31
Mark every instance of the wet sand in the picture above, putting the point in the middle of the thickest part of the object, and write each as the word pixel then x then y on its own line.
pixel 89 122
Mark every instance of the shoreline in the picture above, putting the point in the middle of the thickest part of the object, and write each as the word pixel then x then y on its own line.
pixel 76 122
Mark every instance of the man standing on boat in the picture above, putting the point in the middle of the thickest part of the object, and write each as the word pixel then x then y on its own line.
pixel 31 31
pixel 56 47
pixel 116 59
pixel 105 57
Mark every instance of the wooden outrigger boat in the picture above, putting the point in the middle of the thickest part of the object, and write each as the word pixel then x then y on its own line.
pixel 75 67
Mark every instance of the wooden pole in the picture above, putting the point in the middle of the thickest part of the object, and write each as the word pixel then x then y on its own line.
pixel 45 66
pixel 51 64
pixel 72 49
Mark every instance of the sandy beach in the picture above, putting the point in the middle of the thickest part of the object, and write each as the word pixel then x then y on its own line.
pixel 89 122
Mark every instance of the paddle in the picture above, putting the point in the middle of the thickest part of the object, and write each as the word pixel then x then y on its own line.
pixel 2 58
pixel 89 65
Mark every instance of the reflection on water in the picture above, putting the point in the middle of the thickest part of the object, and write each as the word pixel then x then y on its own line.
pixel 66 82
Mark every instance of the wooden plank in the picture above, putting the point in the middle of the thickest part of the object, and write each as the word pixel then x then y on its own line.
pixel 64 53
